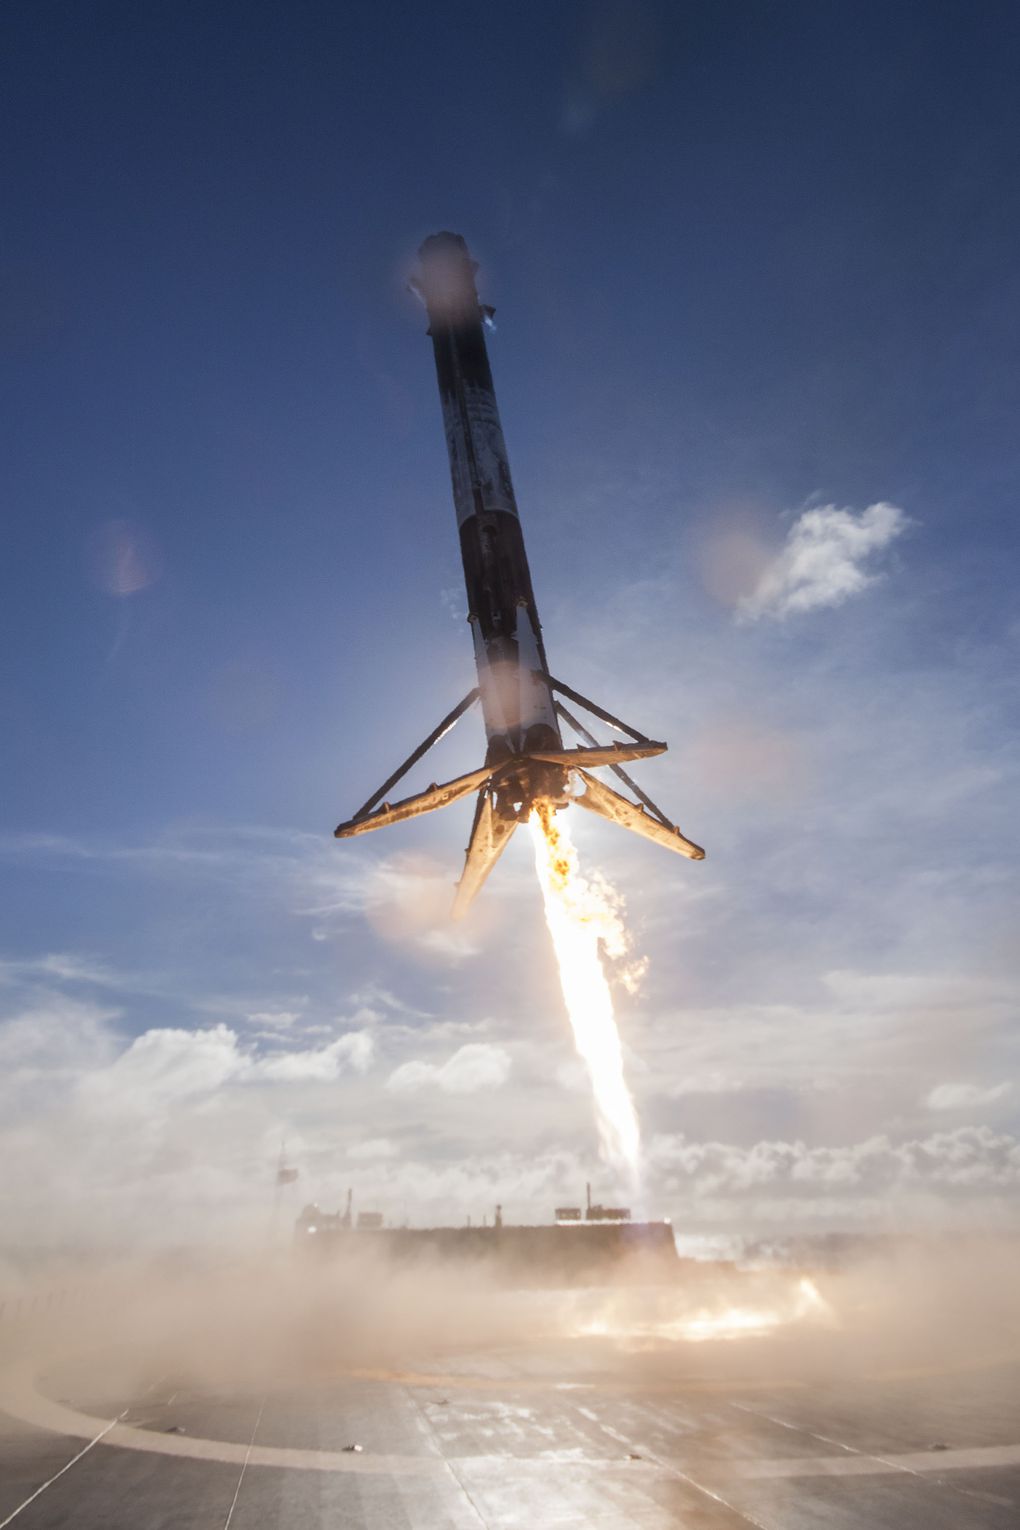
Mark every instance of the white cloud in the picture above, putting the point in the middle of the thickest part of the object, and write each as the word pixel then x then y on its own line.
pixel 966 1096
pixel 473 1067
pixel 55 1034
pixel 971 1157
pixel 321 1064
pixel 705 1083
pixel 373 1148
pixel 170 1065
pixel 823 561
pixel 273 1019
pixel 63 967
pixel 374 996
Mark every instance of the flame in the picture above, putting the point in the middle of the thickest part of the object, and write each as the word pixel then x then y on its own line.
pixel 630 1317
pixel 803 1302
pixel 581 918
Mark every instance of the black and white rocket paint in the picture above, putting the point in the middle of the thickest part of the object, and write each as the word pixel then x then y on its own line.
pixel 517 700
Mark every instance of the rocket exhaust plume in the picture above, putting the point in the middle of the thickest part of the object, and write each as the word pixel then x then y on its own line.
pixel 583 924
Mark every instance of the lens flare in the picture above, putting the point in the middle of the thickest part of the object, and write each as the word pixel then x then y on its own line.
pixel 583 924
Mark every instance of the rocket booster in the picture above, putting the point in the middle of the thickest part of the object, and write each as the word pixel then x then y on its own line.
pixel 522 707
pixel 517 701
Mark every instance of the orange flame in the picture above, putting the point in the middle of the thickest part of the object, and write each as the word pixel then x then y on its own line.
pixel 646 1316
pixel 582 919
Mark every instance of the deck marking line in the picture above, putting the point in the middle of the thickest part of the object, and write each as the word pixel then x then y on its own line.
pixel 56 1475
pixel 867 1455
pixel 244 1466
pixel 670 1467
pixel 425 1428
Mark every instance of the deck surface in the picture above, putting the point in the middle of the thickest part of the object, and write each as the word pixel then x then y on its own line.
pixel 778 1431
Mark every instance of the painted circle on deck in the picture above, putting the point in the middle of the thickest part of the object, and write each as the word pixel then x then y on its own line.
pixel 21 1398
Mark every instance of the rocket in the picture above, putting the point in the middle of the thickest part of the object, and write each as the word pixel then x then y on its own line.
pixel 522 705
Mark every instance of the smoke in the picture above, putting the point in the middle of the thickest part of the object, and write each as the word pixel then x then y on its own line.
pixel 275 1321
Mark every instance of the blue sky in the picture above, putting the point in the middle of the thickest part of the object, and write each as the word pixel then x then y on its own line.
pixel 755 271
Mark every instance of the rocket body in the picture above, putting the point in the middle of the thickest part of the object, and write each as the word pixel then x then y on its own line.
pixel 517 701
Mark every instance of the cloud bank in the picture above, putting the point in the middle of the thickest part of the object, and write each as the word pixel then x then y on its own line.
pixel 971 1157
pixel 173 1135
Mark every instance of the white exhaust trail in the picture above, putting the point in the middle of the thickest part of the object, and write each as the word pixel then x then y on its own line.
pixel 583 924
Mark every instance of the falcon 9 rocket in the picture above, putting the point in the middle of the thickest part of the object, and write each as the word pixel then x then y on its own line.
pixel 522 704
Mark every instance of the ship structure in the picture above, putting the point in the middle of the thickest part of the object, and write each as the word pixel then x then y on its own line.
pixel 591 1245
pixel 523 706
